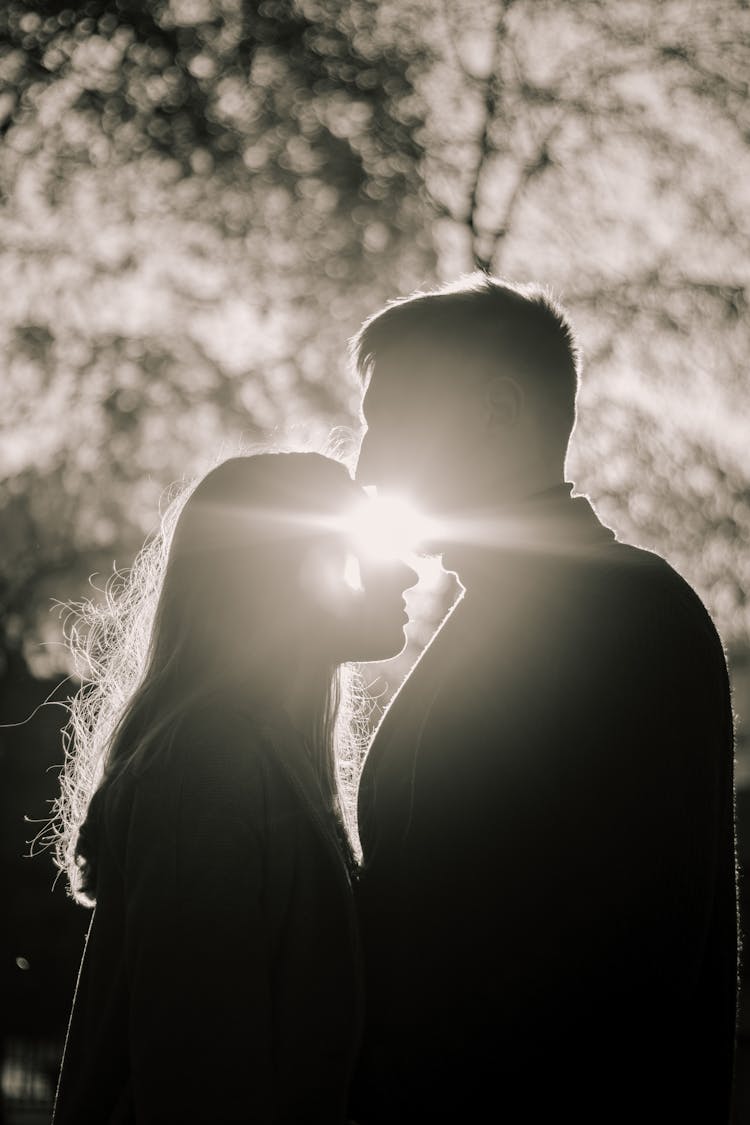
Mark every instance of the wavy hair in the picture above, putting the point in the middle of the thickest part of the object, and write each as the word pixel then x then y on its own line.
pixel 141 649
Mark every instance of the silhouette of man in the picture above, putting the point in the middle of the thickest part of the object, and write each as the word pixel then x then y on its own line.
pixel 546 811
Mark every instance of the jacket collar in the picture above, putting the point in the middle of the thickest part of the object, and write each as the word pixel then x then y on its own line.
pixel 547 526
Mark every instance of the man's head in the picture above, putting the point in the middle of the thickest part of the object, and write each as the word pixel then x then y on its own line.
pixel 470 394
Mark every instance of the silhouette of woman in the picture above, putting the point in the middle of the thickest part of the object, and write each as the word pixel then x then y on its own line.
pixel 204 809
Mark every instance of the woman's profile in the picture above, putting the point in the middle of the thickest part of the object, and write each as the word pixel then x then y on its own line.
pixel 202 810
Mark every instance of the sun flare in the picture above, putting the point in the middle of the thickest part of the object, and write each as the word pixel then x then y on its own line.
pixel 386 528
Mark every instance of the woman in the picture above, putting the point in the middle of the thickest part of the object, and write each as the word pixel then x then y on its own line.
pixel 220 981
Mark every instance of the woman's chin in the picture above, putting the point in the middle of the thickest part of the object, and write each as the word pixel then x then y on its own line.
pixel 384 646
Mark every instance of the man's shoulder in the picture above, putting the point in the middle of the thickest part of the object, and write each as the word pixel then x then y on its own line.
pixel 633 616
pixel 648 588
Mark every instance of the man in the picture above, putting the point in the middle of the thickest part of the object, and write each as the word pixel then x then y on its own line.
pixel 546 811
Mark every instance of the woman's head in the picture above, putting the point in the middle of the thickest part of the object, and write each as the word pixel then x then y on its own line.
pixel 259 576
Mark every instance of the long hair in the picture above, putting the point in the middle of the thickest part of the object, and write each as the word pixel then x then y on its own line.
pixel 219 600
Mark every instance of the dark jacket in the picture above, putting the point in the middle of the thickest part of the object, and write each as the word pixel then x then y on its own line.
pixel 548 895
pixel 220 981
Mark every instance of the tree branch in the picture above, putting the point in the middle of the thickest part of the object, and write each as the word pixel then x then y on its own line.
pixel 529 171
pixel 491 102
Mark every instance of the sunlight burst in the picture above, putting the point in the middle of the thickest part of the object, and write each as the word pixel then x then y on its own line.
pixel 386 527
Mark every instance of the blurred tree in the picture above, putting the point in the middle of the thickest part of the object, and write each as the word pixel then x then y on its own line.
pixel 202 198
pixel 605 149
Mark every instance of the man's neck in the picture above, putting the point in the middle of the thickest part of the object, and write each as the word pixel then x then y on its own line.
pixel 546 524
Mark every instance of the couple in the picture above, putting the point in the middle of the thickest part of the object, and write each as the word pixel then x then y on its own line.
pixel 543 924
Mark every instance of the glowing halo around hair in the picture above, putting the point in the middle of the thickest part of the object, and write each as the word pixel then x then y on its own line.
pixel 385 528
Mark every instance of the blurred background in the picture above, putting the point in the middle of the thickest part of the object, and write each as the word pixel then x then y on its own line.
pixel 200 200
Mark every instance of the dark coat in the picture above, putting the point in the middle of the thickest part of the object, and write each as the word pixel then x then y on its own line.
pixel 548 895
pixel 221 980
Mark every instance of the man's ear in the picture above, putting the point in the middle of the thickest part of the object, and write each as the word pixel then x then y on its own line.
pixel 503 402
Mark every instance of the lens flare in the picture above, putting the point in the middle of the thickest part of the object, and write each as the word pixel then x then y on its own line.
pixel 352 573
pixel 386 527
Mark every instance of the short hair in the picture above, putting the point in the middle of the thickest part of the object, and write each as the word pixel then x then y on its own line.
pixel 510 328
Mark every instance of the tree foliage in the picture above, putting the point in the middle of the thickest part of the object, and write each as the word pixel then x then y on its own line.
pixel 201 202
pixel 201 199
pixel 604 149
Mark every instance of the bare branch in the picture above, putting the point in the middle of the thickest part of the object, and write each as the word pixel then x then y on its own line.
pixel 492 89
pixel 440 209
pixel 630 291
pixel 529 171
pixel 450 35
